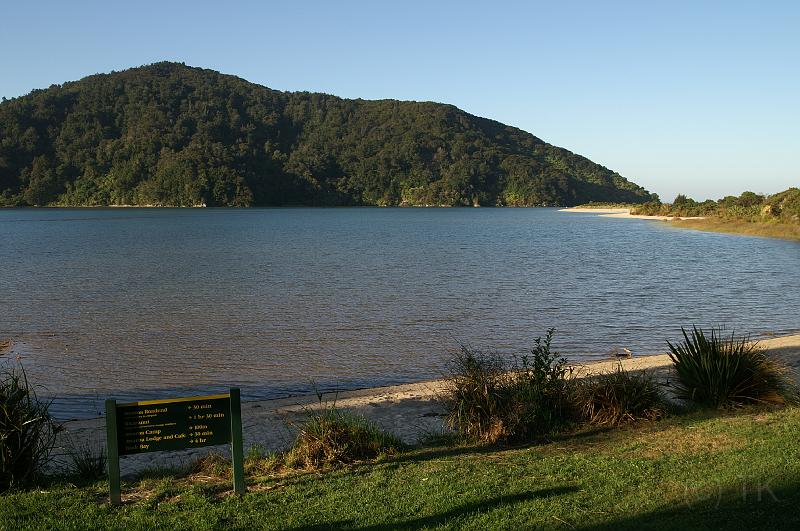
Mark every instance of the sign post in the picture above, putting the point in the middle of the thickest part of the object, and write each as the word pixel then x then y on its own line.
pixel 174 424
pixel 112 453
pixel 237 453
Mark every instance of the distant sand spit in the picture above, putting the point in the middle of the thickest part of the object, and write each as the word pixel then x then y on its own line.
pixel 409 410
pixel 622 213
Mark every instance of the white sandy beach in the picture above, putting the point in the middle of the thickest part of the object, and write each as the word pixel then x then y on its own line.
pixel 622 213
pixel 409 410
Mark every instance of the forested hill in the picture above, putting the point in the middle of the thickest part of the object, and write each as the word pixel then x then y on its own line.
pixel 171 135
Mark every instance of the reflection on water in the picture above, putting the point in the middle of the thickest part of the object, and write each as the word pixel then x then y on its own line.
pixel 138 303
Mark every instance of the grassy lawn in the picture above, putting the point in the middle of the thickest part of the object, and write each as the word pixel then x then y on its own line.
pixel 697 471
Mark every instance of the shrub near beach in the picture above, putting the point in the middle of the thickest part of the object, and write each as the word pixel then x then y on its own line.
pixel 332 436
pixel 619 397
pixel 726 372
pixel 328 437
pixel 27 432
pixel 488 399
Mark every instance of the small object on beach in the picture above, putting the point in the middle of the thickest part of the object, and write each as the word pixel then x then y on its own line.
pixel 625 353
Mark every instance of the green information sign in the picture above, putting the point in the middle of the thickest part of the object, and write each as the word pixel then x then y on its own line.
pixel 159 425
pixel 173 424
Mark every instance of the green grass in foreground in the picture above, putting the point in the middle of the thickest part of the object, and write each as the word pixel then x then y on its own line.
pixel 695 471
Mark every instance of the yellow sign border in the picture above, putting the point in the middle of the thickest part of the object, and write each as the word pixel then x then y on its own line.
pixel 170 400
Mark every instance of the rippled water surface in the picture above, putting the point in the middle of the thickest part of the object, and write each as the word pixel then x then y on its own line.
pixel 144 303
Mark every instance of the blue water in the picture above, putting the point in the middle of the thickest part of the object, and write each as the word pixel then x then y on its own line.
pixel 141 303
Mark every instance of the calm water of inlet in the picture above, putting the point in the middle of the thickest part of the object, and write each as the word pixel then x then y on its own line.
pixel 142 303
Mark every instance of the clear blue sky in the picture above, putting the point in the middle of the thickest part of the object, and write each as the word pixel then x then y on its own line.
pixel 695 97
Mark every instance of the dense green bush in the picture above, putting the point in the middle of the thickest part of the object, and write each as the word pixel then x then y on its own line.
pixel 27 431
pixel 783 207
pixel 724 372
pixel 330 436
pixel 488 399
pixel 619 397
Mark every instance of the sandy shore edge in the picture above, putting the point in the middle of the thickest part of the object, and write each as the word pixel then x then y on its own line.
pixel 621 213
pixel 408 410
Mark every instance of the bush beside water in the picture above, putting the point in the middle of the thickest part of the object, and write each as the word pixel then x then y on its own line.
pixel 332 436
pixel 328 437
pixel 782 208
pixel 27 431
pixel 619 397
pixel 489 399
pixel 718 372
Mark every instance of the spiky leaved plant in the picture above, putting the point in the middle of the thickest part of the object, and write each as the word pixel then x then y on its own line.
pixel 27 431
pixel 721 372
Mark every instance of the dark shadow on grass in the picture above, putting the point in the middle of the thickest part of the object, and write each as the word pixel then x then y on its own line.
pixel 751 504
pixel 423 454
pixel 435 451
pixel 441 518
pixel 586 435
pixel 428 454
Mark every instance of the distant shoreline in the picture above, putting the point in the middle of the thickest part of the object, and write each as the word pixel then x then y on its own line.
pixel 622 213
pixel 705 224
pixel 256 207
